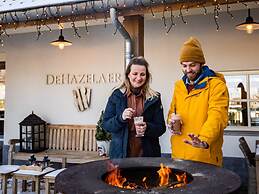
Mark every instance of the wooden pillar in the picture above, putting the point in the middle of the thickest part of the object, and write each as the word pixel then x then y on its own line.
pixel 135 27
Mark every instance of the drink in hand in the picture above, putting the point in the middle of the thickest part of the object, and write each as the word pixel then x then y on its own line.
pixel 138 121
pixel 176 123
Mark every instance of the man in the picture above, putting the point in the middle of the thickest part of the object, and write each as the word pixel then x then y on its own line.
pixel 201 99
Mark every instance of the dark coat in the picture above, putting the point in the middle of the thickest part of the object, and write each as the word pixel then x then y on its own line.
pixel 113 123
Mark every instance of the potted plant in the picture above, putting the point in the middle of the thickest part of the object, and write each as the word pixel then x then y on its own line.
pixel 103 138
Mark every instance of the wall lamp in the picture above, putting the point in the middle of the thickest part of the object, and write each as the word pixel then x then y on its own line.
pixel 61 42
pixel 249 25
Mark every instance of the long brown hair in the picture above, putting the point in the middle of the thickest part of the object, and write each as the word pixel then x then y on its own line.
pixel 147 91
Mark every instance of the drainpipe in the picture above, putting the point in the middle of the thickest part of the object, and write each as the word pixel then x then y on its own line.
pixel 128 53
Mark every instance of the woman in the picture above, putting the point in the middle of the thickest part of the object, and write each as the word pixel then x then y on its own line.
pixel 135 98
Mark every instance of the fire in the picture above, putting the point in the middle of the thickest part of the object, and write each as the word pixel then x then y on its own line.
pixel 164 173
pixel 115 178
pixel 144 182
pixel 182 180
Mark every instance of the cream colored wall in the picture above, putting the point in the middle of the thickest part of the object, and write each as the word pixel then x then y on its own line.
pixel 2 56
pixel 28 61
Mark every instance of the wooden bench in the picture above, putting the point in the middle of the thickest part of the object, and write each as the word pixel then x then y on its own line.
pixel 66 144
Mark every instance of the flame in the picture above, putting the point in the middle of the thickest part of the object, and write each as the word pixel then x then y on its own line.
pixel 182 180
pixel 164 173
pixel 144 182
pixel 115 178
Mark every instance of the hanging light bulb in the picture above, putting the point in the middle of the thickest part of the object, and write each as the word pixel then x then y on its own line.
pixel 61 42
pixel 61 46
pixel 249 25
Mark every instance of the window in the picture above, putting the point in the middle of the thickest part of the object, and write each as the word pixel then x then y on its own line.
pixel 243 90
pixel 2 85
pixel 2 98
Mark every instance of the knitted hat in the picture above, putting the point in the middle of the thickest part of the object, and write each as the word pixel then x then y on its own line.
pixel 191 51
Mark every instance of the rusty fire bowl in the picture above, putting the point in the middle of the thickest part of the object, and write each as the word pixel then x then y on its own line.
pixel 87 178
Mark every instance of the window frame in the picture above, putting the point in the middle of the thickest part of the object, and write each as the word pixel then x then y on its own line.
pixel 250 129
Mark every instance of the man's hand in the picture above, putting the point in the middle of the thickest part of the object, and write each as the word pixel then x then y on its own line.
pixel 196 142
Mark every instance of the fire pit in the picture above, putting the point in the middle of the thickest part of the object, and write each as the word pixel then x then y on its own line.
pixel 200 178
pixel 146 177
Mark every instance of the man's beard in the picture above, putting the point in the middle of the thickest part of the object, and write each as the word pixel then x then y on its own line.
pixel 193 75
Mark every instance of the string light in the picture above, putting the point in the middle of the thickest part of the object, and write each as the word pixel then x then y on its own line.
pixel 151 9
pixel 40 16
pixel 38 27
pixel 181 15
pixel 105 20
pixel 205 10
pixel 216 16
pixel 86 28
pixel 163 17
pixel 228 12
pixel 172 20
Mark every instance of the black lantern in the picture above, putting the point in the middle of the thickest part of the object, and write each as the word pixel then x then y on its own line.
pixel 32 134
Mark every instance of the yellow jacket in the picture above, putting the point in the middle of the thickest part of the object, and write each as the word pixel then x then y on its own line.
pixel 204 112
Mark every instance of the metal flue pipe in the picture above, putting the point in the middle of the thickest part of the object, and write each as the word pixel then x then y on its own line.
pixel 128 41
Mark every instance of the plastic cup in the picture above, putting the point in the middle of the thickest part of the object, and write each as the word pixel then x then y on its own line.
pixel 176 123
pixel 138 121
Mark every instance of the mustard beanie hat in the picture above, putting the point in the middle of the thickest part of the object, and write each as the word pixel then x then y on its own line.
pixel 191 51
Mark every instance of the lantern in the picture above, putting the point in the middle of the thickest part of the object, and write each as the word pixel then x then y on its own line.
pixel 32 134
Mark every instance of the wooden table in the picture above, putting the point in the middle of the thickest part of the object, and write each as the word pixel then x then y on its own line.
pixel 257 164
pixel 50 179
pixel 5 173
pixel 33 175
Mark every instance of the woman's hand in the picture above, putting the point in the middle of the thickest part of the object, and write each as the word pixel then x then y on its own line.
pixel 128 113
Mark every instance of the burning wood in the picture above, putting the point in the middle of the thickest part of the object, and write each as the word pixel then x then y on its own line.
pixel 164 173
pixel 115 179
pixel 166 179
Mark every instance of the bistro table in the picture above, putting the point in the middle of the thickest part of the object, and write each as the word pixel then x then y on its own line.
pixel 5 173
pixel 30 175
pixel 257 164
pixel 50 179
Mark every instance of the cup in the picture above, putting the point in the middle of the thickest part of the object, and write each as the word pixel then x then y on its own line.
pixel 176 123
pixel 138 121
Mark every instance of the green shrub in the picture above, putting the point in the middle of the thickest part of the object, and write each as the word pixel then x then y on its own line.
pixel 101 134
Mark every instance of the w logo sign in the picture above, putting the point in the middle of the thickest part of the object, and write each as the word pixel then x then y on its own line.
pixel 82 98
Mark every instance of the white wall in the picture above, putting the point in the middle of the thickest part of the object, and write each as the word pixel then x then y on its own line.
pixel 28 62
pixel 2 56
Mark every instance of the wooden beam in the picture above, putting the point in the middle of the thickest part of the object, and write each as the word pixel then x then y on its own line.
pixel 135 27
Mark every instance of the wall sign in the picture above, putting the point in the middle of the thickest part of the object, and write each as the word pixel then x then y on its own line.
pixel 82 94
pixel 86 78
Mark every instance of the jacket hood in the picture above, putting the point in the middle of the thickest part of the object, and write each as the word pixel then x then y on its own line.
pixel 220 76
pixel 206 73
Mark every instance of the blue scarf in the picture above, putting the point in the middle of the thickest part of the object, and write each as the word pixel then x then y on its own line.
pixel 205 72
